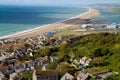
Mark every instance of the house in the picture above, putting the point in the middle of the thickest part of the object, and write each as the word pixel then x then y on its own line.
pixel 20 68
pixel 85 61
pixel 84 26
pixel 5 41
pixel 12 76
pixel 4 68
pixel 82 76
pixel 46 60
pixel 76 62
pixel 104 75
pixel 67 76
pixel 1 43
pixel 47 75
pixel 118 27
pixel 43 68
pixel 53 59
pixel 1 76
pixel 5 71
pixel 112 26
pixel 29 64
pixel 32 68
pixel 50 34
pixel 31 54
pixel 2 57
pixel 44 37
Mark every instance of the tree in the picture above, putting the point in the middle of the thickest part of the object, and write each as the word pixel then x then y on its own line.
pixel 46 51
pixel 53 65
pixel 99 61
pixel 97 52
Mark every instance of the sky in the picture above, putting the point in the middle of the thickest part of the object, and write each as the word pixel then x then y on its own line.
pixel 55 2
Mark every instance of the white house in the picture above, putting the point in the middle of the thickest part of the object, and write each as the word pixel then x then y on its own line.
pixel 67 76
pixel 84 26
pixel 1 42
pixel 112 26
pixel 1 76
pixel 85 61
pixel 82 76
pixel 43 68
pixel 12 76
pixel 105 75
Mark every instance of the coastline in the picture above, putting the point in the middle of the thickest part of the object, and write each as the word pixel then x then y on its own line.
pixel 91 13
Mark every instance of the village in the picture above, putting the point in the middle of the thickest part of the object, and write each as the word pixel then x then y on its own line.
pixel 14 60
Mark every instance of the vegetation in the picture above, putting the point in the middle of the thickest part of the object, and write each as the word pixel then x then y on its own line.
pixel 25 76
pixel 103 48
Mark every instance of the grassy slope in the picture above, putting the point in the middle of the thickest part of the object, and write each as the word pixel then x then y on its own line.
pixel 104 47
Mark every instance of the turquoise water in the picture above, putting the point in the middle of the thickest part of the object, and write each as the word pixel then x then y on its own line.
pixel 14 19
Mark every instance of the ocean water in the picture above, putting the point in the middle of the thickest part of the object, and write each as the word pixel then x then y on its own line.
pixel 108 16
pixel 14 19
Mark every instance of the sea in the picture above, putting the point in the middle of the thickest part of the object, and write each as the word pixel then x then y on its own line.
pixel 16 19
pixel 108 15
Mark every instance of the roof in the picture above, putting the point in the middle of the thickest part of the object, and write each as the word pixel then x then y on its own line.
pixel 50 34
pixel 84 26
pixel 112 26
pixel 47 73
pixel 105 75
pixel 1 75
pixel 4 68
pixel 67 76
pixel 83 76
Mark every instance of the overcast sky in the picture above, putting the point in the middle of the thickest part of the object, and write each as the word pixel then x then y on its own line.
pixel 55 2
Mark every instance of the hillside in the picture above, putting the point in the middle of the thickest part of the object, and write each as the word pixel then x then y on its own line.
pixel 102 48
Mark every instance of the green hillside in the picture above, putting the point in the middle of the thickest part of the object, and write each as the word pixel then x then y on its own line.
pixel 103 48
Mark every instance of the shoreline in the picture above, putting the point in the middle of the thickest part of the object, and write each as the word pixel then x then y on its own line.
pixel 53 26
pixel 38 27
